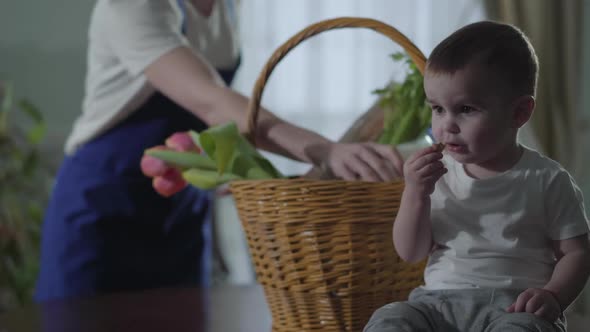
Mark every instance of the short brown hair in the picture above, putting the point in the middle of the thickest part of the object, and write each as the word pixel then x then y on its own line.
pixel 500 47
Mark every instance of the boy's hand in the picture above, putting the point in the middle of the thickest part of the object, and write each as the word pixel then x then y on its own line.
pixel 537 301
pixel 423 169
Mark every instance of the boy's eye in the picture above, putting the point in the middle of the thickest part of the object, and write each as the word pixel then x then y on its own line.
pixel 437 109
pixel 467 109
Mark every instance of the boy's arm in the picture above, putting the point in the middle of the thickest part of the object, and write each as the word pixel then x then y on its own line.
pixel 572 269
pixel 412 233
pixel 569 277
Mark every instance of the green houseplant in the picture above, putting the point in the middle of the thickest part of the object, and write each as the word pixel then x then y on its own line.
pixel 25 181
pixel 406 115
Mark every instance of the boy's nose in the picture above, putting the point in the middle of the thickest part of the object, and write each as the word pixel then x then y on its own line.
pixel 451 126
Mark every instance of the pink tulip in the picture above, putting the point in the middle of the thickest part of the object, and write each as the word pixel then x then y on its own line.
pixel 169 183
pixel 151 166
pixel 181 141
pixel 167 180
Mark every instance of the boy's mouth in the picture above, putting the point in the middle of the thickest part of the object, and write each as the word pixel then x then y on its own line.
pixel 457 148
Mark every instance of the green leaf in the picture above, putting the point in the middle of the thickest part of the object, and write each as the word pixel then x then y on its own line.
pixel 30 163
pixel 253 167
pixel 31 110
pixel 195 137
pixel 183 160
pixel 227 156
pixel 258 174
pixel 406 115
pixel 407 130
pixel 241 164
pixel 36 133
pixel 219 143
pixel 267 167
pixel 207 179
pixel 398 56
pixel 7 97
pixel 380 91
pixel 247 158
pixel 386 136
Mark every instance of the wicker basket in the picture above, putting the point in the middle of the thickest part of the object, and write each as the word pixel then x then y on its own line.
pixel 322 249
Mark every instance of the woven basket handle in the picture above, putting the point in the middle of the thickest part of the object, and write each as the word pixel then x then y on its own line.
pixel 343 22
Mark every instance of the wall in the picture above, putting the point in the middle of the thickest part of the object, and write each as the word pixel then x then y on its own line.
pixel 43 50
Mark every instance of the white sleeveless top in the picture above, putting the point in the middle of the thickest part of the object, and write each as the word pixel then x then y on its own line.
pixel 125 37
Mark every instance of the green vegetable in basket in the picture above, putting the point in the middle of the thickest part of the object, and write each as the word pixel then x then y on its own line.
pixel 406 115
pixel 226 156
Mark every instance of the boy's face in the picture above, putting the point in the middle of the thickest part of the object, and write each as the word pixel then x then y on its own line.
pixel 471 115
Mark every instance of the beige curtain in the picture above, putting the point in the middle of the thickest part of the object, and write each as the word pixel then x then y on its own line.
pixel 554 28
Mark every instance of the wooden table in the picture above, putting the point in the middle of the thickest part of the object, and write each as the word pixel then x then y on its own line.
pixel 231 308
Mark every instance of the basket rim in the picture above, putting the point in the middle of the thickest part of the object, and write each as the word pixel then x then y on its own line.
pixel 378 26
pixel 302 180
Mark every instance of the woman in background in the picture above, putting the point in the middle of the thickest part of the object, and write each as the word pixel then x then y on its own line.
pixel 157 67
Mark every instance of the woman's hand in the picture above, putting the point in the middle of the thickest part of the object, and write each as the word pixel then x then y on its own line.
pixel 363 161
pixel 423 169
pixel 167 180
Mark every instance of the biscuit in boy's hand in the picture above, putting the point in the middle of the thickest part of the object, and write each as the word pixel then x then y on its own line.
pixel 439 147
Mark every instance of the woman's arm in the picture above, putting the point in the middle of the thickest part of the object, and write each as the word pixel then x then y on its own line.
pixel 190 81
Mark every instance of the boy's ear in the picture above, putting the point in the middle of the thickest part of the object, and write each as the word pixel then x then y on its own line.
pixel 522 111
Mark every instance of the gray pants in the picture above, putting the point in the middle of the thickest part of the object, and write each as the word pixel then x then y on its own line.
pixel 471 310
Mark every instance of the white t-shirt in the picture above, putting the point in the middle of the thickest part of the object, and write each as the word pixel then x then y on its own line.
pixel 497 232
pixel 125 37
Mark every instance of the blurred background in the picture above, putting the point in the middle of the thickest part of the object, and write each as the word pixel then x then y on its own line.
pixel 324 85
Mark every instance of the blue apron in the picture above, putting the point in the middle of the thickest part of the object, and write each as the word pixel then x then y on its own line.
pixel 106 229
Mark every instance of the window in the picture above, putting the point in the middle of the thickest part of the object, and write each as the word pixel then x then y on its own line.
pixel 325 83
